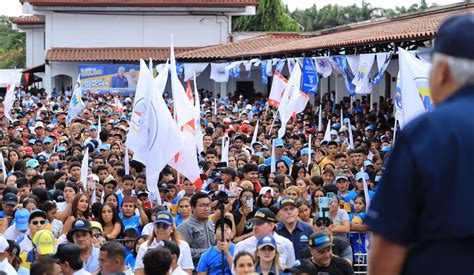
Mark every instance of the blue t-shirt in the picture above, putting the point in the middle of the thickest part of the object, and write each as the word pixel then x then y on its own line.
pixel 357 239
pixel 132 222
pixel 130 261
pixel 211 261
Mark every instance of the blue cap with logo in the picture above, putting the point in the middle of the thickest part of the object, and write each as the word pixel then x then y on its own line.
pixel 279 142
pixel 21 219
pixel 61 149
pixel 320 240
pixel 266 240
pixel 32 163
pixel 47 140
pixel 164 217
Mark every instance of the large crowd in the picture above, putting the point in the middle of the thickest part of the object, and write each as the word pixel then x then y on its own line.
pixel 307 216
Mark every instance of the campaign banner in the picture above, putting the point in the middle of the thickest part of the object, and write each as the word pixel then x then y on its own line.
pixel 109 78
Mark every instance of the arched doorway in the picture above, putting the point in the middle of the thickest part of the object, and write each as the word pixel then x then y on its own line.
pixel 62 82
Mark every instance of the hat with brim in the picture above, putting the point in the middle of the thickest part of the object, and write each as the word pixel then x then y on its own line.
pixel 164 217
pixel 79 225
pixel 263 215
pixel 44 242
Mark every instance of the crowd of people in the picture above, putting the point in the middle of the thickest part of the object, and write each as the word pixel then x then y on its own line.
pixel 307 216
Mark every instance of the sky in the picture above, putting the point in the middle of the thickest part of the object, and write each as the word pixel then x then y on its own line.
pixel 13 7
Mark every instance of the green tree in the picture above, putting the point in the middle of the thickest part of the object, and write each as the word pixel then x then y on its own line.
pixel 271 16
pixel 12 45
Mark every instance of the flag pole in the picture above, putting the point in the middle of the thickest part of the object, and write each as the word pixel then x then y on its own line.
pixel 394 132
pixel 273 122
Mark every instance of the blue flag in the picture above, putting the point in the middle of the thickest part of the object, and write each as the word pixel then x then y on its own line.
pixel 279 65
pixel 263 65
pixel 340 64
pixel 310 77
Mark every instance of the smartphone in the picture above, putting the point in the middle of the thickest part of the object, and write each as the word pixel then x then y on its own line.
pixel 203 177
pixel 90 182
pixel 221 164
pixel 250 204
pixel 147 205
pixel 323 207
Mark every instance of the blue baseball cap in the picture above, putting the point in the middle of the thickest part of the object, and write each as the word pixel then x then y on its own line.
pixel 320 240
pixel 21 219
pixel 61 149
pixel 336 126
pixel 370 128
pixel 105 147
pixel 32 141
pixel 279 142
pixel 304 151
pixel 164 217
pixel 359 176
pixel 386 148
pixel 368 163
pixel 265 241
pixel 32 163
pixel 92 127
pixel 455 37
pixel 47 140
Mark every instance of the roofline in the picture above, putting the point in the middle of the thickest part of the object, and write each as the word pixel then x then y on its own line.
pixel 111 3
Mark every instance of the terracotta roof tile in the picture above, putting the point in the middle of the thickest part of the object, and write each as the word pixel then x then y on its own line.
pixel 390 30
pixel 242 47
pixel 417 26
pixel 110 54
pixel 148 3
pixel 27 20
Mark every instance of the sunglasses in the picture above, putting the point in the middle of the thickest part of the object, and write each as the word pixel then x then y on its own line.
pixel 162 226
pixel 42 222
pixel 97 235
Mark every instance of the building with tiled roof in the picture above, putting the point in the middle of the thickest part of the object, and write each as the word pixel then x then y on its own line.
pixel 63 34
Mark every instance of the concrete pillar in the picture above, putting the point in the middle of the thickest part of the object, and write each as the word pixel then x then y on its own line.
pixel 47 80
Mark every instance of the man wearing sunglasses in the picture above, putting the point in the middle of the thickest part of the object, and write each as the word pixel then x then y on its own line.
pixel 81 235
pixel 37 221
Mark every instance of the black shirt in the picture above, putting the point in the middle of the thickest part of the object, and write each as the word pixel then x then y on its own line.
pixel 248 225
pixel 339 246
pixel 337 266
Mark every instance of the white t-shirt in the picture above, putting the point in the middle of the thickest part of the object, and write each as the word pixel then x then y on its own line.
pixel 185 261
pixel 56 227
pixel 341 216
pixel 6 267
pixel 12 233
pixel 148 228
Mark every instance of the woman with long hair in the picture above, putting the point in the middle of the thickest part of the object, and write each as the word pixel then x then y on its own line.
pixel 110 221
pixel 165 229
pixel 303 186
pixel 244 212
pixel 267 257
pixel 80 208
pixel 13 156
pixel 113 199
pixel 319 192
pixel 282 168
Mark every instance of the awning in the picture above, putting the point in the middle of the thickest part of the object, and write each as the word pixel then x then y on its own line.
pixel 34 69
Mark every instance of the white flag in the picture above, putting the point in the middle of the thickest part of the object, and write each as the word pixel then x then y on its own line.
pixel 9 99
pixel 85 167
pixel 225 149
pixel 366 191
pixel 219 73
pixel 138 121
pixel 327 134
pixel 126 161
pixel 197 106
pixel 193 68
pixel 351 138
pixel 323 66
pixel 415 93
pixel 254 137
pixel 164 139
pixel 293 101
pixel 320 119
pixel 99 127
pixel 361 78
pixel 273 159
pixel 76 105
pixel 279 84
pixel 342 117
pixel 4 169
pixel 185 161
pixel 309 151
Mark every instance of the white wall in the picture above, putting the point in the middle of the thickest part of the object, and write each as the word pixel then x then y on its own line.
pixel 94 30
pixel 35 51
